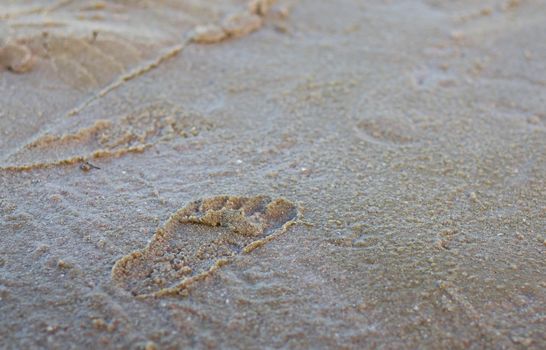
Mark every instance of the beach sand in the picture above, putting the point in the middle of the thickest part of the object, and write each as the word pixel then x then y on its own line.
pixel 290 174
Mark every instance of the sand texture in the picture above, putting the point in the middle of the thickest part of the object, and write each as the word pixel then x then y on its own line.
pixel 188 174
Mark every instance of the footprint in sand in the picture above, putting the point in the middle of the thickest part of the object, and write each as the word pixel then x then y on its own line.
pixel 105 138
pixel 392 123
pixel 388 131
pixel 199 239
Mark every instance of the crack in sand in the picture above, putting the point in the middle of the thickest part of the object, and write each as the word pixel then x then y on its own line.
pixel 134 73
pixel 451 291
pixel 199 239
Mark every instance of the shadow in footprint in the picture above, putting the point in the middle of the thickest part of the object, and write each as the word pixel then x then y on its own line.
pixel 199 239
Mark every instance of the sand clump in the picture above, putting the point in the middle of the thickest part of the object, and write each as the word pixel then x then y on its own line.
pixel 241 24
pixel 16 58
pixel 208 34
pixel 235 25
pixel 260 7
pixel 199 239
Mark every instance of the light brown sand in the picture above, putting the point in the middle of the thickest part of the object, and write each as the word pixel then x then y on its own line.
pixel 400 147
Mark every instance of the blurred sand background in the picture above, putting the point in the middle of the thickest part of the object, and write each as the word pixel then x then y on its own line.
pixel 410 135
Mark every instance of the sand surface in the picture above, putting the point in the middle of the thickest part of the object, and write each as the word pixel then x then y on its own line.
pixel 290 174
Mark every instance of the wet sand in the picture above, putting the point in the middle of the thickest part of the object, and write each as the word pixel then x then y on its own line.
pixel 293 174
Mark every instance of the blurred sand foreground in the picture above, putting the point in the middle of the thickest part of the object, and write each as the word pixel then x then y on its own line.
pixel 265 174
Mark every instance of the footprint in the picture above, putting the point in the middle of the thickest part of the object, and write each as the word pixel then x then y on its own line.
pixel 134 132
pixel 199 239
pixel 388 131
pixel 83 64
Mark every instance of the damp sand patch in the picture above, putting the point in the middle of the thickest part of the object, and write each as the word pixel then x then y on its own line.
pixel 199 239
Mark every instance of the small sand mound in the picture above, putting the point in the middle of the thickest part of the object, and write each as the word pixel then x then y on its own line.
pixel 235 25
pixel 16 58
